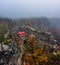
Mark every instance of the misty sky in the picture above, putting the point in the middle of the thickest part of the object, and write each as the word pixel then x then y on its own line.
pixel 29 8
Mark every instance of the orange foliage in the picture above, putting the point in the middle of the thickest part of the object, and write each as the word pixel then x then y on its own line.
pixel 30 40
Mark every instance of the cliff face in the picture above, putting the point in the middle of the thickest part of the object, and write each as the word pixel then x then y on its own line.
pixel 55 28
pixel 56 32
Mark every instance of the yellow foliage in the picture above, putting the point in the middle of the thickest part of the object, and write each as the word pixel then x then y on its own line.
pixel 9 40
pixel 38 51
pixel 43 58
pixel 58 52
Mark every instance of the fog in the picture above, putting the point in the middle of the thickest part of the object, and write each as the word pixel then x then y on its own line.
pixel 29 8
